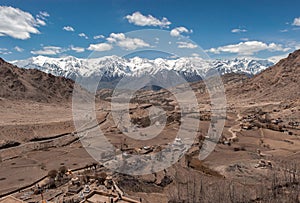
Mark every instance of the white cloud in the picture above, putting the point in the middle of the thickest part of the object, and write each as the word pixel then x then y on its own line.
pixel 17 23
pixel 248 48
pixel 245 39
pixel 114 37
pixel 141 20
pixel 238 30
pixel 120 40
pixel 40 22
pixel 296 22
pixel 275 59
pixel 173 57
pixel 132 43
pixel 98 37
pixel 178 30
pixel 294 45
pixel 77 49
pixel 18 49
pixel 285 30
pixel 69 29
pixel 42 15
pixel 126 42
pixel 4 51
pixel 195 55
pixel 100 47
pixel 48 50
pixel 186 45
pixel 83 35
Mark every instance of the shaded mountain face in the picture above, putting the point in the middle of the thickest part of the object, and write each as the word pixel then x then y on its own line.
pixel 111 68
pixel 30 84
pixel 280 81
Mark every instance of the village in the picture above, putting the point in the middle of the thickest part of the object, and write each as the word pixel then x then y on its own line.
pixel 93 184
pixel 96 183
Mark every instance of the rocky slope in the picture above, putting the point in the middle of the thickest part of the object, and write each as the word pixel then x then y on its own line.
pixel 30 84
pixel 280 81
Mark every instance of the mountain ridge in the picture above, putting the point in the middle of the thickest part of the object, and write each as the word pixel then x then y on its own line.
pixel 114 67
pixel 280 81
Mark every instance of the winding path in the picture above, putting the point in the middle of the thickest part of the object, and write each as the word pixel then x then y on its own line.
pixel 235 128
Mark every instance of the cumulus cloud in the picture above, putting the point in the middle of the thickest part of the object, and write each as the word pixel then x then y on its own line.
pixel 141 20
pixel 296 22
pixel 18 49
pixel 77 49
pixel 98 37
pixel 238 30
pixel 69 29
pixel 17 23
pixel 83 35
pixel 114 37
pixel 120 40
pixel 178 30
pixel 126 42
pixel 48 50
pixel 248 48
pixel 186 45
pixel 100 47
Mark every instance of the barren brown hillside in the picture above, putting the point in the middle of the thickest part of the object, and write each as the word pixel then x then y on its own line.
pixel 279 82
pixel 34 85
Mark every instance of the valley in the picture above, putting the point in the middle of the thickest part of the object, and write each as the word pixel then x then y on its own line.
pixel 255 159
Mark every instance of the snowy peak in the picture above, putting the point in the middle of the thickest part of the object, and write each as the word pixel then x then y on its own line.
pixel 114 67
pixel 244 65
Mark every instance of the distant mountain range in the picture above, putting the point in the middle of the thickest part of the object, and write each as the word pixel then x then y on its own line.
pixel 111 68
pixel 280 81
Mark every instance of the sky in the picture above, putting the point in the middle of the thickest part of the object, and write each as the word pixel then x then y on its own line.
pixel 220 29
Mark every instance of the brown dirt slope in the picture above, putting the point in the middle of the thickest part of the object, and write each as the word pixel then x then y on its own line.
pixel 29 84
pixel 279 82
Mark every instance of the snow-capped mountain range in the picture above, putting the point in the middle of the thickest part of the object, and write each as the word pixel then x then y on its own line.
pixel 112 67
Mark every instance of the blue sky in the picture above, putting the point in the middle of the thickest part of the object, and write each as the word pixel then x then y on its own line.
pixel 224 29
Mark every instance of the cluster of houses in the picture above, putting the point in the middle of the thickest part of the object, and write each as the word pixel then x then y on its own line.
pixel 92 184
pixel 263 164
pixel 89 184
pixel 262 121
